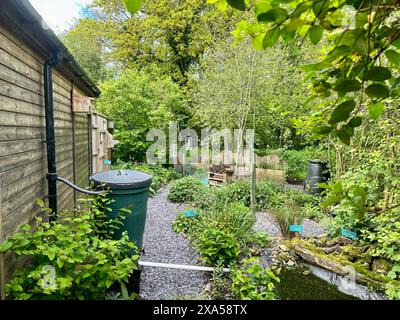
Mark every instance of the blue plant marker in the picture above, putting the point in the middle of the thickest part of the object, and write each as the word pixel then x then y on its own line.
pixel 190 214
pixel 349 234
pixel 295 228
pixel 107 162
pixel 204 182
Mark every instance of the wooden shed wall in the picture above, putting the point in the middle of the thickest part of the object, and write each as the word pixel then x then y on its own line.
pixel 23 163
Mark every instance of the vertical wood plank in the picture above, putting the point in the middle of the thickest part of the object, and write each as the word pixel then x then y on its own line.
pixel 73 139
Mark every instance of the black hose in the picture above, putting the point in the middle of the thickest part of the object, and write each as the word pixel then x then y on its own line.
pixel 70 184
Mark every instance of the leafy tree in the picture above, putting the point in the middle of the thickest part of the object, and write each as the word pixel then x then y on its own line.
pixel 171 34
pixel 234 80
pixel 87 49
pixel 139 101
pixel 361 60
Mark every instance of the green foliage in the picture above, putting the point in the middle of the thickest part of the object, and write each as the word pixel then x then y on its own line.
pixel 253 282
pixel 393 292
pixel 205 197
pixel 239 191
pixel 87 50
pixel 220 284
pixel 347 202
pixel 364 194
pixel 217 245
pixel 314 212
pixel 183 224
pixel 375 110
pixel 297 163
pixel 133 6
pixel 288 213
pixel 69 259
pixel 230 83
pixel 383 233
pixel 220 234
pixel 234 217
pixel 268 195
pixel 172 35
pixel 139 101
pixel 259 239
pixel 350 56
pixel 394 273
pixel 161 175
pixel 301 198
pixel 184 190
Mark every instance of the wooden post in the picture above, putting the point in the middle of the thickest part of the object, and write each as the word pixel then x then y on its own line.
pixel 73 141
pixel 294 235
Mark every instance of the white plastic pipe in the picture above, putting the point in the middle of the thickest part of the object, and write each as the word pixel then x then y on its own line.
pixel 178 266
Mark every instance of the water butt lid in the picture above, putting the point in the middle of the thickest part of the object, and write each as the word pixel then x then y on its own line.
pixel 122 179
pixel 317 161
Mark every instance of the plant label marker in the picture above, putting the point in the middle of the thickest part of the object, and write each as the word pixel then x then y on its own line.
pixel 349 234
pixel 107 162
pixel 190 214
pixel 295 228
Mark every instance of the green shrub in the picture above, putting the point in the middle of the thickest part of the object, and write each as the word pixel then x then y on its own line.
pixel 289 213
pixel 313 212
pixel 260 239
pixel 69 259
pixel 185 189
pixel 383 233
pixel 183 224
pixel 393 292
pixel 267 194
pixel 297 163
pixel 219 234
pixel 217 245
pixel 234 217
pixel 238 191
pixel 139 101
pixel 301 198
pixel 253 282
pixel 221 284
pixel 205 197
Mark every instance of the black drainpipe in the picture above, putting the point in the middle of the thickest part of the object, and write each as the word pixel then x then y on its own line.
pixel 52 176
pixel 50 135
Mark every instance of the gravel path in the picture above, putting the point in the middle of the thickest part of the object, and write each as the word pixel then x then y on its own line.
pixel 161 244
pixel 267 222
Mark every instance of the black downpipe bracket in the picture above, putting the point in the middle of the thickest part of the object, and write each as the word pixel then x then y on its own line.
pixel 52 176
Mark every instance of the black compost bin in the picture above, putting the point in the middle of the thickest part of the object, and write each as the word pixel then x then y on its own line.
pixel 317 173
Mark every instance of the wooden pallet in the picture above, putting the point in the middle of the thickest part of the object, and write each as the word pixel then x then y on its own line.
pixel 216 179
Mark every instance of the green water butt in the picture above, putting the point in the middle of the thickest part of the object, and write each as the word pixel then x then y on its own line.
pixel 136 202
pixel 127 189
